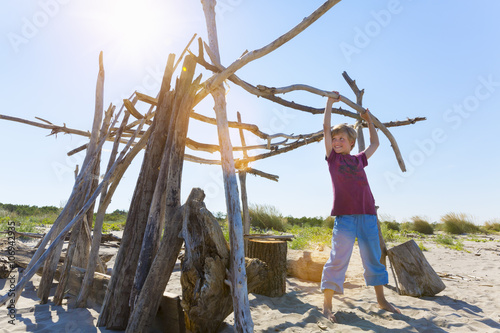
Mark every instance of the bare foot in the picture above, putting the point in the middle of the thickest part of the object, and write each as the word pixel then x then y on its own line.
pixel 327 305
pixel 388 307
pixel 329 315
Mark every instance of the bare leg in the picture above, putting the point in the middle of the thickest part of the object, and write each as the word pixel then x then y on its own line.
pixel 327 305
pixel 382 302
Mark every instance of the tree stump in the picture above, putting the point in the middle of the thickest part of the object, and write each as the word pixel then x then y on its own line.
pixel 206 295
pixel 273 253
pixel 415 276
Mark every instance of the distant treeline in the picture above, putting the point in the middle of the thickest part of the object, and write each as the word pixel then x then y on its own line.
pixel 26 210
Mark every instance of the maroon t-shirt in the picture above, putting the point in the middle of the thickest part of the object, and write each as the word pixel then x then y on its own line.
pixel 351 191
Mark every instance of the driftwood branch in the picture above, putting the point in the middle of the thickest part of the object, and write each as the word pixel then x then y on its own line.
pixel 238 278
pixel 39 258
pixel 350 103
pixel 217 79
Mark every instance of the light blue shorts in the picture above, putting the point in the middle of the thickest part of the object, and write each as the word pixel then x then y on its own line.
pixel 345 231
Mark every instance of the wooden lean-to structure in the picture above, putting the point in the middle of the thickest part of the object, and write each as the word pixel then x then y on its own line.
pixel 158 223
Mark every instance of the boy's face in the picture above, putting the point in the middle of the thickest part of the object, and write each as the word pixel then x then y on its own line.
pixel 341 143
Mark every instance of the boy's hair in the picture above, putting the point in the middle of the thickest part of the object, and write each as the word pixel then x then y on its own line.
pixel 349 130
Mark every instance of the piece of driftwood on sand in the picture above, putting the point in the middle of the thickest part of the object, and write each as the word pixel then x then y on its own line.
pixel 414 275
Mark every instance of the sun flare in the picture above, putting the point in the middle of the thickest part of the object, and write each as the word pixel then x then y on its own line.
pixel 130 30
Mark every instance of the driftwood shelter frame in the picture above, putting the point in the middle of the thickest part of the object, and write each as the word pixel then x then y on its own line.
pixel 146 260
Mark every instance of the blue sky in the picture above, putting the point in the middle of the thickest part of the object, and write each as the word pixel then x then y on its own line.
pixel 439 60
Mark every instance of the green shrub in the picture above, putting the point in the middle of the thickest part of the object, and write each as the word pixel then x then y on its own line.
pixel 438 226
pixel 492 226
pixel 266 217
pixel 390 225
pixel 329 222
pixel 391 235
pixel 26 210
pixel 406 227
pixel 450 242
pixel 116 216
pixel 309 237
pixel 457 224
pixel 422 226
pixel 422 246
pixel 305 221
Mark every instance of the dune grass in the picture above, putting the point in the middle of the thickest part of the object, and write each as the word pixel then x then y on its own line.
pixel 459 223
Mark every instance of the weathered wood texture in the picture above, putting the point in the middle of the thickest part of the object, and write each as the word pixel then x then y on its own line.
pixel 116 309
pixel 243 187
pixel 415 276
pixel 237 277
pixel 148 300
pixel 157 209
pixel 82 190
pixel 97 237
pixel 166 199
pixel 206 295
pixel 273 253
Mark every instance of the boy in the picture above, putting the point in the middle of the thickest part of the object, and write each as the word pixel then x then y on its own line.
pixel 354 211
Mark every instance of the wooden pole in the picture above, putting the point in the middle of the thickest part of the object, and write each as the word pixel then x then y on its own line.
pixel 88 166
pixel 115 309
pixel 243 185
pixel 242 317
pixel 149 298
pixel 97 235
pixel 157 209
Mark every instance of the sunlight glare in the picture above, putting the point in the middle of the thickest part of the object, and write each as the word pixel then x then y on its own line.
pixel 133 29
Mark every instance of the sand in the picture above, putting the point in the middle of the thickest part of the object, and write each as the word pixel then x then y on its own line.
pixel 470 302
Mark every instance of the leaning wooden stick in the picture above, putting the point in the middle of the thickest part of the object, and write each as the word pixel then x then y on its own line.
pixel 238 278
pixel 34 266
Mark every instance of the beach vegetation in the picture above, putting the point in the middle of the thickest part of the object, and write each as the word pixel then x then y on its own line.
pixel 308 232
pixel 391 225
pixel 422 246
pixel 492 226
pixel 267 217
pixel 421 225
pixel 459 223
pixel 450 242
pixel 309 237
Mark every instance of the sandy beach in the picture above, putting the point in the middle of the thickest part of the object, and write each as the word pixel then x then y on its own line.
pixel 470 302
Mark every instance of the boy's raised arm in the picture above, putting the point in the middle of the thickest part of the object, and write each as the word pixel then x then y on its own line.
pixel 374 142
pixel 327 123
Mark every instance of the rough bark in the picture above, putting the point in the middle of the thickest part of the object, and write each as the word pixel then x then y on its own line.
pixel 115 310
pixel 273 253
pixel 97 234
pixel 157 209
pixel 206 297
pixel 415 276
pixel 147 302
pixel 238 279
